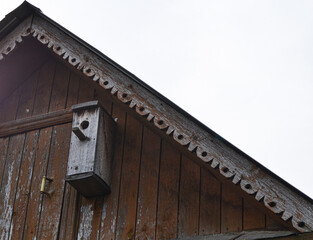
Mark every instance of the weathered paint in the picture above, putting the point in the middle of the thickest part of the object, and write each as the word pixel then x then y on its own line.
pixel 85 227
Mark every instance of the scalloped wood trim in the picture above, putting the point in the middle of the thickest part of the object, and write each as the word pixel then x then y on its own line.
pixel 275 196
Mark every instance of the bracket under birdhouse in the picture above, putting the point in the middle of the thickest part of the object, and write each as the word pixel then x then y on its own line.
pixel 90 154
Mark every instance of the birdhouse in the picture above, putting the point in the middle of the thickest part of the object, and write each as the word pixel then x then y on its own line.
pixel 90 154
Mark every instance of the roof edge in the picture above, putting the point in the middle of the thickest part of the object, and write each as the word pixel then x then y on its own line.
pixel 15 17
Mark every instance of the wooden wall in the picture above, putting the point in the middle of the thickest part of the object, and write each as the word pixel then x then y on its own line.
pixel 158 191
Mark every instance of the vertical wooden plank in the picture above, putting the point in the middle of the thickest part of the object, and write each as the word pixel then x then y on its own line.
pixel 35 198
pixel 52 206
pixel 86 91
pixel 9 107
pixel 89 218
pixel 103 99
pixel 23 188
pixel 167 214
pixel 110 205
pixel 40 106
pixel 69 213
pixel 129 180
pixel 59 89
pixel 91 209
pixel 69 207
pixel 253 218
pixel 57 102
pixel 43 91
pixel 9 183
pixel 25 108
pixel 210 207
pixel 72 92
pixel 274 224
pixel 189 198
pixel 26 101
pixel 148 186
pixel 4 142
pixel 231 215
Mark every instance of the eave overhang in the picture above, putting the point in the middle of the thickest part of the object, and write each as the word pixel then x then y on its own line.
pixel 253 178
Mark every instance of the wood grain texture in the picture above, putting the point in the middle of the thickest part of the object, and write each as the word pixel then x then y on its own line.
pixel 167 215
pixel 36 122
pixel 69 215
pixel 26 100
pixel 208 146
pixel 231 210
pixel 189 198
pixel 9 183
pixel 4 142
pixel 35 198
pixel 148 186
pixel 72 91
pixel 111 203
pixel 90 212
pixel 126 219
pixel 24 185
pixel 253 218
pixel 59 89
pixel 44 86
pixel 52 206
pixel 9 107
pixel 210 207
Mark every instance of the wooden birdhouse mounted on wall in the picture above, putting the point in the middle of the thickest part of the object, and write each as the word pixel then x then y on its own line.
pixel 90 154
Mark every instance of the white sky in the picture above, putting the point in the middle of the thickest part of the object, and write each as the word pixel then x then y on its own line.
pixel 243 68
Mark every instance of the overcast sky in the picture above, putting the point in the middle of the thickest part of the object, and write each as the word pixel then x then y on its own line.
pixel 243 68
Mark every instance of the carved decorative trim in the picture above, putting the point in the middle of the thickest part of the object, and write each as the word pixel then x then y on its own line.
pixel 213 151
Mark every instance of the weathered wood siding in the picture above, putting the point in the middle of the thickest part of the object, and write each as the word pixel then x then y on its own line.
pixel 158 191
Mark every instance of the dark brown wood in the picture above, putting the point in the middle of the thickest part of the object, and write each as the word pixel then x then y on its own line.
pixel 4 142
pixel 36 122
pixel 44 87
pixel 69 215
pixel 59 89
pixel 129 180
pixel 35 198
pixel 9 107
pixel 167 215
pixel 52 204
pixel 86 91
pixel 252 217
pixel 40 107
pixel 148 186
pixel 89 220
pixel 26 100
pixel 210 207
pixel 72 91
pixel 189 198
pixel 28 56
pixel 231 210
pixel 273 223
pixel 24 184
pixel 110 206
pixel 9 183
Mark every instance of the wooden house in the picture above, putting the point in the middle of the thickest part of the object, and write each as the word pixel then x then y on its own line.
pixel 167 175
